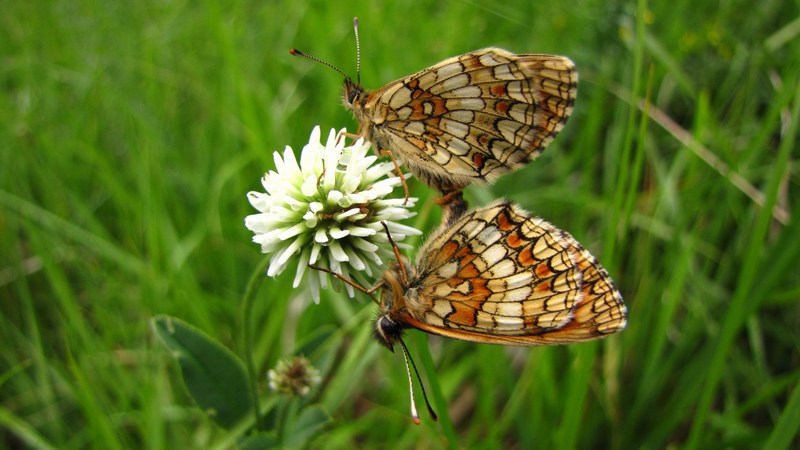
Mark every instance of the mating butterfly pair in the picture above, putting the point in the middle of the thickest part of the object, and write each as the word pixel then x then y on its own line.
pixel 473 118
pixel 494 274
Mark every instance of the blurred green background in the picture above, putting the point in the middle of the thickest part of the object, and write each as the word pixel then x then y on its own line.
pixel 132 131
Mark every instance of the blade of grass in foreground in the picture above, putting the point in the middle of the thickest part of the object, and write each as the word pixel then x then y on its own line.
pixel 788 424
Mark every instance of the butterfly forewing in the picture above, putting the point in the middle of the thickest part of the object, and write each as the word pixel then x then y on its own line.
pixel 498 275
pixel 470 118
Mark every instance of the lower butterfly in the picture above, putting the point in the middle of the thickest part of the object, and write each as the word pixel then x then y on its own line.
pixel 500 276
pixel 497 275
pixel 467 119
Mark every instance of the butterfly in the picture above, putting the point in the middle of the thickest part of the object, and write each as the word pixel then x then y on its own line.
pixel 468 119
pixel 498 275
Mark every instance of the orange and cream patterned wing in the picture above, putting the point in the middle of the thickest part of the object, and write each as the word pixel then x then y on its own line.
pixel 602 311
pixel 498 275
pixel 474 117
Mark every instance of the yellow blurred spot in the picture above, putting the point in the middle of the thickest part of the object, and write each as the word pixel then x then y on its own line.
pixel 649 17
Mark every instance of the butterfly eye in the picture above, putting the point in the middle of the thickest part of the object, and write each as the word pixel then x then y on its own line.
pixel 352 91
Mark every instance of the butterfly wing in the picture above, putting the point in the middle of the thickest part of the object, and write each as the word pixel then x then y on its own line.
pixel 473 117
pixel 498 275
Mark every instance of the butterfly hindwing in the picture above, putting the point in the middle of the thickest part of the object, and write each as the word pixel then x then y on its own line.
pixel 499 275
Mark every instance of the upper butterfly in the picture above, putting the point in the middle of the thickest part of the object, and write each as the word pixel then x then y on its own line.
pixel 470 118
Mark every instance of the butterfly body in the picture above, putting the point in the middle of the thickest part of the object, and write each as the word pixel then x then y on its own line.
pixel 470 118
pixel 497 275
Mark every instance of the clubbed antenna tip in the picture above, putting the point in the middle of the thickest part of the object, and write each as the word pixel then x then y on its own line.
pixel 297 52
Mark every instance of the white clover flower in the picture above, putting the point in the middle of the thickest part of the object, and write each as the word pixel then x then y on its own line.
pixel 327 211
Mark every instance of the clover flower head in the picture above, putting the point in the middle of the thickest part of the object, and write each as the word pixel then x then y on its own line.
pixel 294 376
pixel 327 210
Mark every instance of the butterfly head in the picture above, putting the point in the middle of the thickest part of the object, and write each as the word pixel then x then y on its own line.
pixel 352 94
pixel 389 324
pixel 387 331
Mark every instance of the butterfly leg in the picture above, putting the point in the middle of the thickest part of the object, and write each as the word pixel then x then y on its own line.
pixel 453 205
pixel 368 291
pixel 396 251
pixel 399 172
pixel 384 152
pixel 345 134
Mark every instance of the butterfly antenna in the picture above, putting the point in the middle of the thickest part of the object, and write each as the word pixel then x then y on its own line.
pixel 414 414
pixel 296 52
pixel 358 51
pixel 396 253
